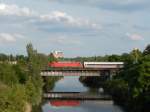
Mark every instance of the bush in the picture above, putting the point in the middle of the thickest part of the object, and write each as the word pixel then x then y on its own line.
pixel 12 99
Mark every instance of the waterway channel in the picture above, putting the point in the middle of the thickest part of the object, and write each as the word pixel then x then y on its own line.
pixel 72 84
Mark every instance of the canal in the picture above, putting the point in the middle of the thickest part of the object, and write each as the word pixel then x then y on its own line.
pixel 72 84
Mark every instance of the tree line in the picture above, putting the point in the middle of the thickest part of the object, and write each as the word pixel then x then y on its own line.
pixel 131 87
pixel 21 84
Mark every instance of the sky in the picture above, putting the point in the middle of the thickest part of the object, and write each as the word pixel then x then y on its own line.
pixel 76 27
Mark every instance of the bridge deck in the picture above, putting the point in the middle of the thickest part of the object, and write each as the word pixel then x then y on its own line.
pixel 77 69
pixel 70 73
pixel 77 72
pixel 75 96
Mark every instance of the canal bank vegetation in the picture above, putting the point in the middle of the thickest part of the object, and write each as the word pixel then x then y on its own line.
pixel 49 83
pixel 21 83
pixel 131 87
pixel 92 82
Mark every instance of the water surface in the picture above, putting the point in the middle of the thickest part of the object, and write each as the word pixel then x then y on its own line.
pixel 72 84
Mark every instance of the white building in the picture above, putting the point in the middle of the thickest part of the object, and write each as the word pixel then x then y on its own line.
pixel 58 54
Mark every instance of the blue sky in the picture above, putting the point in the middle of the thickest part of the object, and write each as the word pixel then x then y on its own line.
pixel 76 27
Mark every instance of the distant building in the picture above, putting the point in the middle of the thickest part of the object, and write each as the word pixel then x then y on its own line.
pixel 9 62
pixel 58 54
pixel 12 62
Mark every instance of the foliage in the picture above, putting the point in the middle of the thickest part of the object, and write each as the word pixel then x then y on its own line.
pixel 147 50
pixel 7 74
pixel 31 92
pixel 21 84
pixel 132 86
pixel 82 59
pixel 12 99
pixel 118 88
pixel 35 83
pixel 3 57
pixel 49 83
pixel 52 58
pixel 92 82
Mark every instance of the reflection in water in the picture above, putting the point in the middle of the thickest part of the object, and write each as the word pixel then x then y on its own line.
pixel 69 84
pixel 83 106
pixel 72 84
pixel 65 103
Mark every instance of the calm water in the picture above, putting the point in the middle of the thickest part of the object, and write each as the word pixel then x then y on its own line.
pixel 69 84
pixel 72 84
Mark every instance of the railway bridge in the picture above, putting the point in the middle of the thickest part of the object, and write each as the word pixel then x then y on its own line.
pixel 103 69
pixel 107 69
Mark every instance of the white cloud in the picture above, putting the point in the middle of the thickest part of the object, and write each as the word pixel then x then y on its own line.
pixel 53 16
pixel 58 16
pixel 134 36
pixel 19 36
pixel 63 40
pixel 33 17
pixel 62 17
pixel 12 9
pixel 9 38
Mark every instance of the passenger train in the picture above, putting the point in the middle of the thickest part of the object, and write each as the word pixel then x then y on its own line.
pixel 86 65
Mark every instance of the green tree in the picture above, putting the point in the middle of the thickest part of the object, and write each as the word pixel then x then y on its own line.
pixel 132 85
pixel 136 54
pixel 52 58
pixel 3 57
pixel 12 99
pixel 34 68
pixel 147 50
pixel 7 74
pixel 114 58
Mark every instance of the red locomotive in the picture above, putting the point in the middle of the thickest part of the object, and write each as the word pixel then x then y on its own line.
pixel 65 65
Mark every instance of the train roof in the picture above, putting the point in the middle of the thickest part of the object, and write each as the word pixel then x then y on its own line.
pixel 105 63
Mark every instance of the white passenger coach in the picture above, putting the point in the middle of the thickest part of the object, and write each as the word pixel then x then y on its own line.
pixel 104 65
